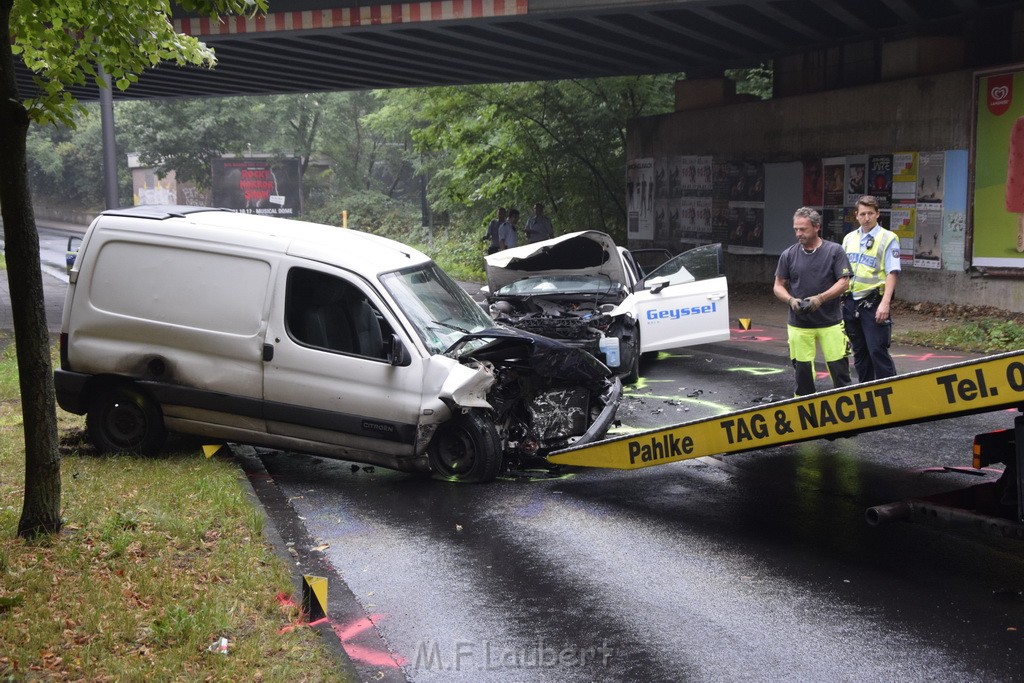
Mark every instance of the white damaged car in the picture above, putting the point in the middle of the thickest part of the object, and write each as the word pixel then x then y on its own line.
pixel 584 290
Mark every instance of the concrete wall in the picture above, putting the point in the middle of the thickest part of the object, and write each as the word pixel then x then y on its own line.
pixel 928 113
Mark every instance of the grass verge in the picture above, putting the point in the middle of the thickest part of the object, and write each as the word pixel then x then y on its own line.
pixel 985 335
pixel 159 558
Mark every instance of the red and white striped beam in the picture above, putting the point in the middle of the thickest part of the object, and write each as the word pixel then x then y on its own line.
pixel 348 17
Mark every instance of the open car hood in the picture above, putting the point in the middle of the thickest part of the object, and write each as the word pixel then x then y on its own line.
pixel 588 252
pixel 547 357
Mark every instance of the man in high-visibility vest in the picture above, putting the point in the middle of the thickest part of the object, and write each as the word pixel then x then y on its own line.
pixel 874 254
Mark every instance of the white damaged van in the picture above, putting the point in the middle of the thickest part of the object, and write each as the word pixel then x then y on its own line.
pixel 308 338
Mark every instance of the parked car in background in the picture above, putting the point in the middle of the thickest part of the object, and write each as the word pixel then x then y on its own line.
pixel 583 289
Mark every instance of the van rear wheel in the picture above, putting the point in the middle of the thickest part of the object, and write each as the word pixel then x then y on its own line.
pixel 124 420
pixel 466 448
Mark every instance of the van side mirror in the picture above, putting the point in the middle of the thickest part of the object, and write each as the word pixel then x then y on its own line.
pixel 398 354
pixel 74 243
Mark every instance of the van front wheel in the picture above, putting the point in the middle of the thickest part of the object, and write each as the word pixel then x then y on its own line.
pixel 124 420
pixel 466 448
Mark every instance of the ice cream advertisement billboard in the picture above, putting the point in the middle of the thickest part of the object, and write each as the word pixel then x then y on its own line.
pixel 998 218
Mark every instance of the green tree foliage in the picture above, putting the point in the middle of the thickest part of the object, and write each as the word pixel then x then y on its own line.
pixel 184 135
pixel 63 163
pixel 65 43
pixel 753 81
pixel 561 143
pixel 339 156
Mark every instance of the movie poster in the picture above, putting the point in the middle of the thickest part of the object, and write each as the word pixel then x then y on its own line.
pixel 835 181
pixel 813 184
pixel 856 179
pixel 880 179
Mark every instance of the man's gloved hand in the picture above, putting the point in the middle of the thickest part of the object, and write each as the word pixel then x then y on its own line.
pixel 795 304
pixel 814 302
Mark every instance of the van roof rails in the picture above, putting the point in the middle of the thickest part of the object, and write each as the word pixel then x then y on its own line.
pixel 161 212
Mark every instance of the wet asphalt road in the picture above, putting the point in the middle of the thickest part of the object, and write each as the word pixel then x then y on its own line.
pixel 749 567
pixel 754 567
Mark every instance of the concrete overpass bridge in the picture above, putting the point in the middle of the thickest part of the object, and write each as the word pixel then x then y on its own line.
pixel 318 45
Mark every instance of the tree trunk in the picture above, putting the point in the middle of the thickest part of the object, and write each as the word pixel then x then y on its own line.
pixel 41 510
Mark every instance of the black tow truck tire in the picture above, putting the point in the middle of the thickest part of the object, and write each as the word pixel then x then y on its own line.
pixel 123 419
pixel 467 448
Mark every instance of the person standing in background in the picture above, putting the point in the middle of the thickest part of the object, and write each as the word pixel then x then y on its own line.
pixel 811 278
pixel 507 231
pixel 539 227
pixel 874 255
pixel 492 230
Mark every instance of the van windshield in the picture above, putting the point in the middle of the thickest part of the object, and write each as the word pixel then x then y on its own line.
pixel 441 311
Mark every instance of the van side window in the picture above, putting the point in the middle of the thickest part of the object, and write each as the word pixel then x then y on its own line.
pixel 328 313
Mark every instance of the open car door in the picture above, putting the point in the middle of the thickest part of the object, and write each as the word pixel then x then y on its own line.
pixel 682 302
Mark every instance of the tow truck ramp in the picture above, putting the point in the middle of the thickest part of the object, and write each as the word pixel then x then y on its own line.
pixel 966 388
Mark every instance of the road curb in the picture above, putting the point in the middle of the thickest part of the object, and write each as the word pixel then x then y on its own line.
pixel 286 533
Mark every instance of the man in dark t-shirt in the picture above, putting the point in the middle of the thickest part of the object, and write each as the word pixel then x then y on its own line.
pixel 811 277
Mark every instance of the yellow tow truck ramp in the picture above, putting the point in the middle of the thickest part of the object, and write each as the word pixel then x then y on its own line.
pixel 976 386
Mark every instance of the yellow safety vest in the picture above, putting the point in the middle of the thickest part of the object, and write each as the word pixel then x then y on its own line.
pixel 868 265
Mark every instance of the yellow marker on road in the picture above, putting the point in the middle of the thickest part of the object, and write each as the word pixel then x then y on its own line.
pixel 314 597
pixel 982 385
pixel 210 451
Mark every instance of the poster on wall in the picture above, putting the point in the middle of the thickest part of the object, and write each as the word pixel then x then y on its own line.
pixel 687 214
pixel 904 177
pixel 880 178
pixel 702 219
pixel 835 180
pixel 856 179
pixel 675 175
pixel 661 229
pixel 674 229
pixel 930 177
pixel 703 182
pixel 903 222
pixel 813 184
pixel 148 188
pixel 836 222
pixel 744 184
pixel 661 175
pixel 262 186
pixel 928 244
pixel 998 206
pixel 640 199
